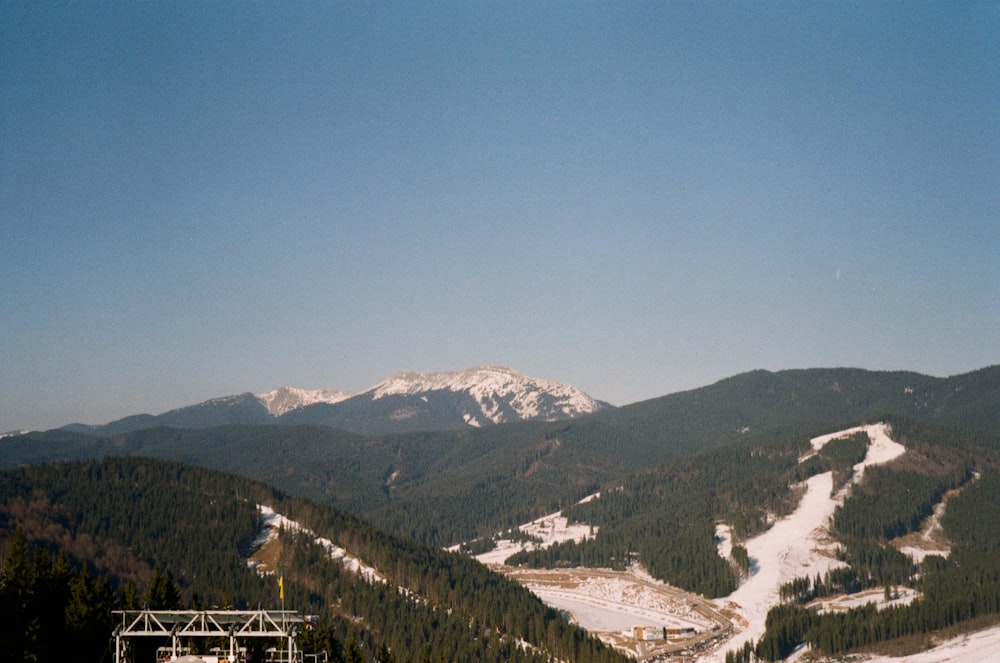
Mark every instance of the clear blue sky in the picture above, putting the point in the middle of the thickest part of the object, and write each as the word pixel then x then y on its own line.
pixel 204 198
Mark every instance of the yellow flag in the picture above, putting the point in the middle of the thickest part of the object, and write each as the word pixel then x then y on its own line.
pixel 281 586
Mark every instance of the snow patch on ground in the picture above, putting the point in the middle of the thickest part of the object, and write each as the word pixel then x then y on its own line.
pixel 273 522
pixel 724 540
pixel 901 596
pixel 602 600
pixel 551 529
pixel 979 647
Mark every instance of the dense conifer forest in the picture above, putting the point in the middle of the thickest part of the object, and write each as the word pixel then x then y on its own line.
pixel 82 539
pixel 668 470
pixel 665 518
pixel 417 484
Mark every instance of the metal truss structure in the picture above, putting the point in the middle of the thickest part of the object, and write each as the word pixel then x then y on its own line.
pixel 232 626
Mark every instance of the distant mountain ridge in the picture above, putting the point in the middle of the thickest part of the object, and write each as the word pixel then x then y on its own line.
pixel 521 470
pixel 668 469
pixel 285 399
pixel 404 402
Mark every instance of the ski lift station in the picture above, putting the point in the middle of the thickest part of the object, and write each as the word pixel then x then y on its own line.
pixel 230 636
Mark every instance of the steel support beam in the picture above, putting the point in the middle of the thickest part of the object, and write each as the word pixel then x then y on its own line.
pixel 234 625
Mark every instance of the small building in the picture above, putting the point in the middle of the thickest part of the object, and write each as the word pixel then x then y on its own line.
pixel 646 633
pixel 680 632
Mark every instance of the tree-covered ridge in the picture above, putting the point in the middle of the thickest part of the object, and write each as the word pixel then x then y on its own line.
pixel 197 524
pixel 125 516
pixel 890 503
pixel 419 484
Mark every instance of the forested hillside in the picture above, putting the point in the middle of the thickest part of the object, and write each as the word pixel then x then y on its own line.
pixel 170 534
pixel 419 484
pixel 954 590
pixel 669 471
pixel 665 518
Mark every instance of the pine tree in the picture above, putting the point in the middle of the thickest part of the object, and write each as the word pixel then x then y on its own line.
pixel 16 594
pixel 89 613
pixel 163 593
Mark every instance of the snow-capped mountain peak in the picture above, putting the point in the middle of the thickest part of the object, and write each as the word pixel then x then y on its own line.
pixel 403 402
pixel 286 399
pixel 502 394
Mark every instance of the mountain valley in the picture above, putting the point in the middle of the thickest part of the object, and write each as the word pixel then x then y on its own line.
pixel 683 489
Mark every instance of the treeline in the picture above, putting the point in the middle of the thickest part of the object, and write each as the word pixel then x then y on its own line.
pixel 890 503
pixel 130 517
pixel 125 516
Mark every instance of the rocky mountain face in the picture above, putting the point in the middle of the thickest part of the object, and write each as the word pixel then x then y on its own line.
pixel 284 400
pixel 404 402
pixel 500 394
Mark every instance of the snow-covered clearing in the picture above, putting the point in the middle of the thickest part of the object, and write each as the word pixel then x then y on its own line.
pixel 273 522
pixel 551 529
pixel 602 600
pixel 605 602
pixel 980 647
pixel 798 545
pixel 610 604
pixel 900 596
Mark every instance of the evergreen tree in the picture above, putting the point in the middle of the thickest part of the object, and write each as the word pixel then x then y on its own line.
pixel 163 593
pixel 89 613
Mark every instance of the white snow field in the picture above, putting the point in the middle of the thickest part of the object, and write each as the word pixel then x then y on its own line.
pixel 551 529
pixel 274 522
pixel 980 647
pixel 605 601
